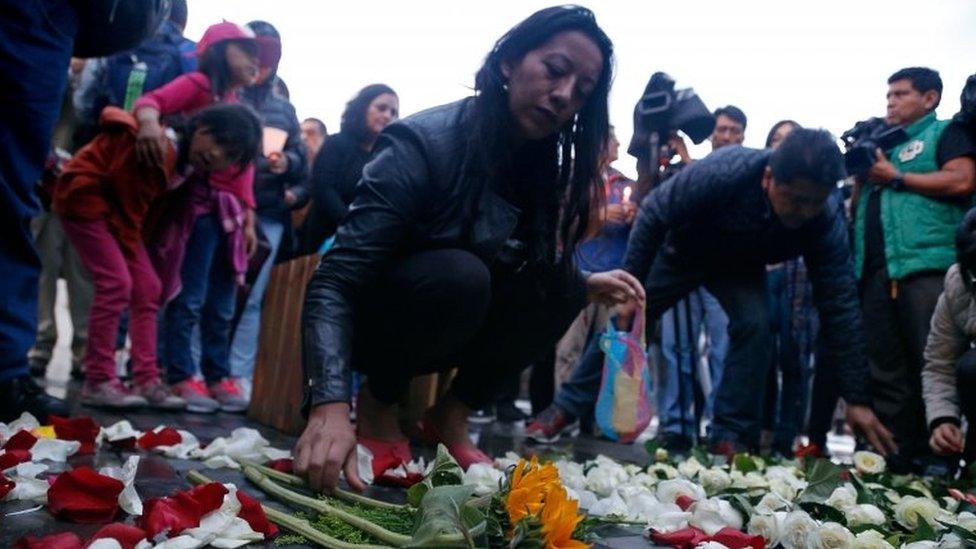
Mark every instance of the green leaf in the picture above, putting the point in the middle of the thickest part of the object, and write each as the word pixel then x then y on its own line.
pixel 823 512
pixel 861 528
pixel 443 471
pixel 702 456
pixel 923 532
pixel 741 504
pixel 652 446
pixel 964 534
pixel 894 540
pixel 823 477
pixel 864 494
pixel 444 512
pixel 744 463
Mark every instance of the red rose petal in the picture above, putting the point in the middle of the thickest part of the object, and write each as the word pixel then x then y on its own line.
pixel 22 440
pixel 127 535
pixel 402 482
pixel 252 512
pixel 81 429
pixel 6 485
pixel 64 540
pixel 681 539
pixel 285 465
pixel 82 495
pixel 734 539
pixel 12 458
pixel 183 510
pixel 684 502
pixel 167 436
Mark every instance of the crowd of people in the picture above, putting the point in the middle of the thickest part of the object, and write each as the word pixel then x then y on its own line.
pixel 487 235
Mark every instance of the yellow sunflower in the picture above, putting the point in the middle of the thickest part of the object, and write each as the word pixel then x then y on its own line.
pixel 529 486
pixel 559 519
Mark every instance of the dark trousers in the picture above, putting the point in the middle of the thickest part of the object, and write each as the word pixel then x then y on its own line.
pixel 36 37
pixel 434 310
pixel 207 299
pixel 897 327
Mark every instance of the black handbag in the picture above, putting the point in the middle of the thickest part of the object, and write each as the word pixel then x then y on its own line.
pixel 109 26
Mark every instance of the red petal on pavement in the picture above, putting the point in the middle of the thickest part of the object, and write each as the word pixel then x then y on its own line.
pixel 285 465
pixel 64 540
pixel 82 495
pixel 684 502
pixel 6 485
pixel 181 511
pixel 252 512
pixel 22 440
pixel 127 535
pixel 11 458
pixel 82 429
pixel 165 437
pixel 681 539
pixel 403 482
pixel 734 539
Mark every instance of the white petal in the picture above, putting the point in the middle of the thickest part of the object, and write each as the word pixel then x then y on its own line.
pixel 180 542
pixel 53 449
pixel 118 431
pixel 25 422
pixel 276 453
pixel 364 462
pixel 105 543
pixel 220 462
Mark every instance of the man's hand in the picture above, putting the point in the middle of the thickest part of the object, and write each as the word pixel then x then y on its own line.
pixel 277 163
pixel 946 439
pixel 862 419
pixel 883 170
pixel 326 447
pixel 614 287
pixel 616 213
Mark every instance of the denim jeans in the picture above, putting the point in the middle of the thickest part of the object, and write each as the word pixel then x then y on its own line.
pixel 207 300
pixel 716 326
pixel 36 39
pixel 676 379
pixel 577 395
pixel 244 345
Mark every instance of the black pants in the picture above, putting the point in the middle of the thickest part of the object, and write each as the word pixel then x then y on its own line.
pixel 966 385
pixel 739 398
pixel 897 327
pixel 438 309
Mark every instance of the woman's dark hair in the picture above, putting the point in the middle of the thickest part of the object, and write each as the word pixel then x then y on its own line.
pixel 354 117
pixel 235 127
pixel 213 63
pixel 568 162
pixel 776 127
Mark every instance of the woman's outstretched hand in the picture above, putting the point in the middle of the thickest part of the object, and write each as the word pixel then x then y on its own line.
pixel 614 287
pixel 327 448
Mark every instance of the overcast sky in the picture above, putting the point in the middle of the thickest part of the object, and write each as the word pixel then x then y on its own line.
pixel 824 63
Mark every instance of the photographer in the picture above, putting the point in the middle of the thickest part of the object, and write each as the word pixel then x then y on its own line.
pixel 701 228
pixel 905 221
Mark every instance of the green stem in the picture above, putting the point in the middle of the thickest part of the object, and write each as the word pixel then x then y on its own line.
pixel 299 482
pixel 284 494
pixel 305 529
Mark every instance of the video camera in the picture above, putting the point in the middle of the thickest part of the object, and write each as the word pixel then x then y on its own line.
pixel 662 110
pixel 866 137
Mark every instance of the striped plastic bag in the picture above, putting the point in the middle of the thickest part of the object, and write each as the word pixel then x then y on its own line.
pixel 623 408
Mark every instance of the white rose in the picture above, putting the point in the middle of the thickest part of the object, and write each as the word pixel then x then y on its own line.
pixel 771 502
pixel 783 489
pixel 751 481
pixel 484 477
pixel 711 515
pixel 843 498
pixel 767 525
pixel 967 520
pixel 660 454
pixel 610 506
pixel 796 528
pixel 950 504
pixel 570 473
pixel 585 498
pixel 690 467
pixel 892 496
pixel 632 469
pixel 869 463
pixel 660 470
pixel 871 539
pixel 920 486
pixel 951 541
pixel 645 506
pixel 669 518
pixel 910 508
pixel 669 490
pixel 711 545
pixel 714 480
pixel 510 459
pixel 864 514
pixel 830 535
pixel 643 479
pixel 921 545
pixel 602 479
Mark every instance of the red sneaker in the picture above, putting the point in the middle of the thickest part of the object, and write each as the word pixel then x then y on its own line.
pixel 551 424
pixel 465 454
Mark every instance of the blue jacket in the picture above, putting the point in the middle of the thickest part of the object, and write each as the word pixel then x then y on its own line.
pixel 713 219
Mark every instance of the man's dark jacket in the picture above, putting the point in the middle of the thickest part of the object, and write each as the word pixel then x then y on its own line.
pixel 423 189
pixel 713 220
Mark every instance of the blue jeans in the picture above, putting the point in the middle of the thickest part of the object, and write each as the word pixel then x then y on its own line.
pixel 244 345
pixel 679 347
pixel 577 395
pixel 207 299
pixel 36 38
pixel 717 330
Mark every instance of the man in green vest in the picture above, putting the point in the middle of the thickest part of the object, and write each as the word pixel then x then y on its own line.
pixel 905 222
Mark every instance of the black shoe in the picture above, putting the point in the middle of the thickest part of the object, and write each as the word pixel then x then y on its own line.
pixel 23 394
pixel 509 412
pixel 484 415
pixel 674 443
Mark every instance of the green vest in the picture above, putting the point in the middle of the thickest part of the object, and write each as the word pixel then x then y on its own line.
pixel 919 232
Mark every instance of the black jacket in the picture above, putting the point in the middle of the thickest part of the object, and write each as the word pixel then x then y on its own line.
pixel 714 218
pixel 422 190
pixel 335 173
pixel 269 188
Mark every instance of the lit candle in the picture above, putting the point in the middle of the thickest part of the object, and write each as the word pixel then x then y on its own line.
pixel 627 191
